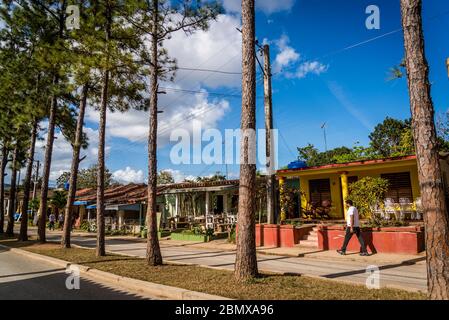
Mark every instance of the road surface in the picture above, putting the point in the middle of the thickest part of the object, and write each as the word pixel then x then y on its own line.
pixel 25 278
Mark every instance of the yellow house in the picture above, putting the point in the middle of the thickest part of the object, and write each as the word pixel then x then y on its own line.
pixel 330 182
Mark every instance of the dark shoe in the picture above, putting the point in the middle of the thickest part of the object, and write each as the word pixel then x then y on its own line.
pixel 364 254
pixel 341 252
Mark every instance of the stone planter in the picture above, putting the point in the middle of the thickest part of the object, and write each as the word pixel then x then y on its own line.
pixel 271 236
pixel 188 237
pixel 259 235
pixel 402 240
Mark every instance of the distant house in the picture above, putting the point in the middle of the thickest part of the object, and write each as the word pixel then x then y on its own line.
pixel 128 204
pixel 330 182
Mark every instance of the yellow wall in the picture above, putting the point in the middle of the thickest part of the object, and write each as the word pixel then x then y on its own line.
pixel 360 171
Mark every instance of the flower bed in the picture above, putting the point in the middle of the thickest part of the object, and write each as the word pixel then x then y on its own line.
pixel 189 237
pixel 404 240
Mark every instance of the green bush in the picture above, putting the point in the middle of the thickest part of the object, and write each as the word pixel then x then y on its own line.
pixel 84 226
pixel 232 233
pixel 366 192
pixel 292 222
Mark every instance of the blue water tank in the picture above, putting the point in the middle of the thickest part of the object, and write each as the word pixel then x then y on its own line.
pixel 298 164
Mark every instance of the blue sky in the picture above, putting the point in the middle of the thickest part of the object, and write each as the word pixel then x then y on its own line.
pixel 319 77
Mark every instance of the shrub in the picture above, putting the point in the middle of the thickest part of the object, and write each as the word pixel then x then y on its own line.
pixel 85 226
pixel 287 196
pixel 366 193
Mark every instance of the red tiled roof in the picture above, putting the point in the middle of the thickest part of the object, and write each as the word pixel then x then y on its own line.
pixel 353 163
pixel 135 193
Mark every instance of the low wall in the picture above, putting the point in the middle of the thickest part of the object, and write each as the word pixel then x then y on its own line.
pixel 404 240
pixel 274 235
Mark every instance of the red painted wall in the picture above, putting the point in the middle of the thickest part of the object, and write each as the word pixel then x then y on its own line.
pixel 406 240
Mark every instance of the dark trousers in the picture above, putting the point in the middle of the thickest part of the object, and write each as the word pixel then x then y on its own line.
pixel 348 237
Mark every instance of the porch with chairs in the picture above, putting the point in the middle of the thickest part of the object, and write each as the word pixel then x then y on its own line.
pixel 212 207
pixel 403 210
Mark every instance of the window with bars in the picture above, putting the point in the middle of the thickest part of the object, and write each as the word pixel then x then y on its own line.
pixel 320 190
pixel 400 186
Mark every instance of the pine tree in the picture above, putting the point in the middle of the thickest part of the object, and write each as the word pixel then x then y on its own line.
pixel 157 20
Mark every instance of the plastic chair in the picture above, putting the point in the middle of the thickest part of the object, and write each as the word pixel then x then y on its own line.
pixel 405 207
pixel 419 208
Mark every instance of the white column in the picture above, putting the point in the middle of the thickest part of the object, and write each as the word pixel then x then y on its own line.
pixel 225 203
pixel 207 203
pixel 177 205
pixel 121 217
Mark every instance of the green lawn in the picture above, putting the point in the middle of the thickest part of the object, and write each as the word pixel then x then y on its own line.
pixel 217 282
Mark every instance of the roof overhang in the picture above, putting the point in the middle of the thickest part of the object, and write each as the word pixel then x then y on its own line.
pixel 350 167
pixel 123 207
pixel 80 203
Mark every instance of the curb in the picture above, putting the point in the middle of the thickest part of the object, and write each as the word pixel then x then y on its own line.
pixel 129 284
pixel 349 282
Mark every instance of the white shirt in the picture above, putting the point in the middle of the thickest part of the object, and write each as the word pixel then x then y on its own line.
pixel 352 211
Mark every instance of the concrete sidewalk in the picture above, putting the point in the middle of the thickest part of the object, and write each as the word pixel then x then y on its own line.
pixel 403 274
pixel 297 251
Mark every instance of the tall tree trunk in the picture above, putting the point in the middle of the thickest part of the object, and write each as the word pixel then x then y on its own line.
pixel 12 193
pixel 65 241
pixel 3 162
pixel 101 246
pixel 47 167
pixel 154 256
pixel 23 235
pixel 430 178
pixel 246 260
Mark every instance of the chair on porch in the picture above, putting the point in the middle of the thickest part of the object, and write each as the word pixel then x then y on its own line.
pixel 419 208
pixel 389 208
pixel 210 222
pixel 405 208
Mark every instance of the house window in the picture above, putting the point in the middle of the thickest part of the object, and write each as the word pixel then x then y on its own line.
pixel 320 190
pixel 352 179
pixel 400 186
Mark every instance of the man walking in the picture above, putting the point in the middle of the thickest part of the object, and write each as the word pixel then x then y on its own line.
pixel 353 226
pixel 52 220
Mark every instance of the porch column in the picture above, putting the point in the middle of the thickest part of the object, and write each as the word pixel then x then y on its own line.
pixel 177 205
pixel 283 214
pixel 225 203
pixel 121 217
pixel 344 189
pixel 207 203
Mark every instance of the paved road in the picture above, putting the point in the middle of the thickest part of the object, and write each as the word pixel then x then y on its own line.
pixel 408 275
pixel 24 278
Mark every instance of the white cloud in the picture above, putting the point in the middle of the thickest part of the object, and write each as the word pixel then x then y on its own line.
pixel 178 176
pixel 62 152
pixel 307 67
pixel 267 6
pixel 286 55
pixel 133 125
pixel 288 58
pixel 128 175
pixel 217 48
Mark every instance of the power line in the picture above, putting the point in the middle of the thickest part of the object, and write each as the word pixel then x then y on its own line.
pixel 209 70
pixel 206 92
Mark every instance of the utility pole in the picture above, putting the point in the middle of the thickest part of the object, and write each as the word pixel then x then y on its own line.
pixel 268 106
pixel 323 126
